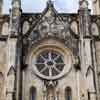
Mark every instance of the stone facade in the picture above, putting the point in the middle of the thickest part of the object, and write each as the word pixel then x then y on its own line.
pixel 49 55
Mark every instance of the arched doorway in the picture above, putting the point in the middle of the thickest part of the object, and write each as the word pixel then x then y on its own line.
pixel 32 93
pixel 68 93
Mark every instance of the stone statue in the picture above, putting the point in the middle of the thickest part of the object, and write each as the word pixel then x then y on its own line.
pixel 82 97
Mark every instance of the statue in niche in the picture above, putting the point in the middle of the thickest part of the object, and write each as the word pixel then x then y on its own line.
pixel 50 90
pixel 51 93
pixel 82 97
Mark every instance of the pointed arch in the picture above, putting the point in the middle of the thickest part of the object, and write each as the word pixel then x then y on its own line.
pixel 11 71
pixel 68 93
pixel 90 75
pixel 25 27
pixel 10 79
pixel 94 29
pixel 90 68
pixel 32 93
pixel 74 27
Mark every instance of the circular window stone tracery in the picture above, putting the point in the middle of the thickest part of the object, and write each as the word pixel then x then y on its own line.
pixel 50 63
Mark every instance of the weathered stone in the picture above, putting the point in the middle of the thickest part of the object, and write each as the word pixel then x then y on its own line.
pixel 49 55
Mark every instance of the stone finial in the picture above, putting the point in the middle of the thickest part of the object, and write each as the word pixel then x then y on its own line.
pixel 83 4
pixel 50 3
pixel 16 7
pixel 15 15
pixel 16 3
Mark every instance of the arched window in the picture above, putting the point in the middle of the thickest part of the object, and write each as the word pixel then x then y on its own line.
pixel 33 93
pixel 68 93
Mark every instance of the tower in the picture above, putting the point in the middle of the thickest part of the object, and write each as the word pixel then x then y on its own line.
pixel 14 41
pixel 86 43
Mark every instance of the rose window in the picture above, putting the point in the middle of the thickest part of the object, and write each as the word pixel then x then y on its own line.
pixel 49 63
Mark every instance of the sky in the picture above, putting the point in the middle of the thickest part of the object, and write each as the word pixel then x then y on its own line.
pixel 68 6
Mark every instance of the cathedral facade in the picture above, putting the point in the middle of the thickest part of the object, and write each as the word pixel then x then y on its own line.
pixel 50 55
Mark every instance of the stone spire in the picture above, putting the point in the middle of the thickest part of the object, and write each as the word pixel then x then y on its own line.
pixel 50 3
pixel 83 4
pixel 84 14
pixel 16 7
pixel 15 27
pixel 1 5
pixel 16 3
pixel 15 33
pixel 15 16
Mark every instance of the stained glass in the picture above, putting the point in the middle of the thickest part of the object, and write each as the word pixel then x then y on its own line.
pixel 50 63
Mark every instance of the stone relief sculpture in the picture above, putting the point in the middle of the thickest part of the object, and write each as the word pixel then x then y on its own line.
pixel 74 27
pixel 26 27
pixel 94 29
pixel 82 97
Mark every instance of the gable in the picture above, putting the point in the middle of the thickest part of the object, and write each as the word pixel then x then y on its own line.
pixel 49 24
pixel 11 71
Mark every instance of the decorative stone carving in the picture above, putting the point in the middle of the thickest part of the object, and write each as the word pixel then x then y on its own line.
pixel 15 25
pixel 5 28
pixel 62 31
pixel 89 77
pixel 49 64
pixel 16 4
pixel 83 4
pixel 50 83
pixel 94 29
pixel 74 27
pixel 26 27
pixel 51 27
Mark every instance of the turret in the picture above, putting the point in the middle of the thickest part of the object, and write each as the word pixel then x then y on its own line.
pixel 84 13
pixel 85 48
pixel 15 38
pixel 15 16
